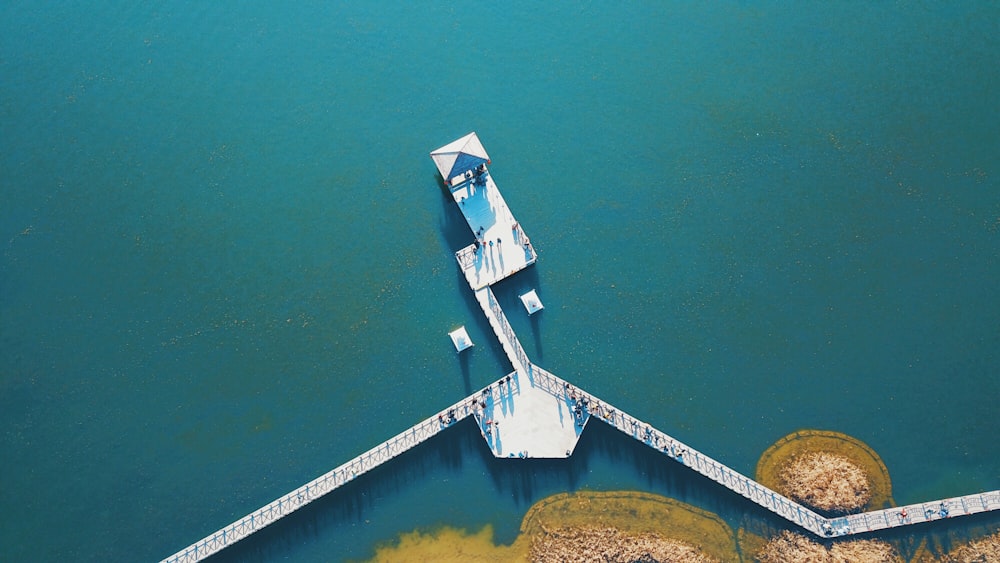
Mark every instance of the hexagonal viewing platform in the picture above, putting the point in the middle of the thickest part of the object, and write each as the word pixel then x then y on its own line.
pixel 525 421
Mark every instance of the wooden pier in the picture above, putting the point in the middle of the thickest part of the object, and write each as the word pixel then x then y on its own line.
pixel 534 413
pixel 500 248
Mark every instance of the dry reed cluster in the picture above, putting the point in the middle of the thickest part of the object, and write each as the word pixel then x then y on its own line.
pixel 827 481
pixel 586 544
pixel 982 550
pixel 789 547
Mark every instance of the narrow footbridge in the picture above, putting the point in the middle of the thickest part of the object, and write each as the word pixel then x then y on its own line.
pixel 771 500
pixel 550 413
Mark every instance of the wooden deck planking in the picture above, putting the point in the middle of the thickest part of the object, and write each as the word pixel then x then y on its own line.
pixel 924 512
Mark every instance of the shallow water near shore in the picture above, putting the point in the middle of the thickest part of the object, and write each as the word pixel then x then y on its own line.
pixel 227 263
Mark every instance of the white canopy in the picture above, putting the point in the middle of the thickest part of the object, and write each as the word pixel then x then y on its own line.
pixel 460 338
pixel 460 156
pixel 531 302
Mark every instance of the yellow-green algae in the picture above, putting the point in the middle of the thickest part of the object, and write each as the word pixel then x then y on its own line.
pixel 749 543
pixel 628 511
pixel 782 452
pixel 451 545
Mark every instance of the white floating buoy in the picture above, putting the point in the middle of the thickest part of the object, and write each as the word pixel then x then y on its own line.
pixel 531 302
pixel 460 338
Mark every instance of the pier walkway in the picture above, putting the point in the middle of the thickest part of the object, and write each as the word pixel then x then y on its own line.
pixel 533 420
pixel 504 333
pixel 531 412
pixel 501 248
pixel 581 405
pixel 336 478
pixel 688 456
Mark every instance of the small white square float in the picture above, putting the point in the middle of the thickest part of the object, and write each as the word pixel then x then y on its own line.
pixel 531 302
pixel 460 338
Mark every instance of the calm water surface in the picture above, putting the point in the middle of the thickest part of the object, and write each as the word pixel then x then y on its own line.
pixel 227 266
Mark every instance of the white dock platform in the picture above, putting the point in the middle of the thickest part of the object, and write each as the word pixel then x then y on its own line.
pixel 525 421
pixel 534 419
pixel 503 247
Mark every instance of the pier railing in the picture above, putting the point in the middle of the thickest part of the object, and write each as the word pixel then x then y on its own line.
pixel 549 382
pixel 593 406
pixel 466 257
pixel 508 340
pixel 343 474
pixel 684 454
pixel 920 512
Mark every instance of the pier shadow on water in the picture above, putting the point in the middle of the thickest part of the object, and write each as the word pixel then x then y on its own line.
pixel 452 225
pixel 536 329
pixel 463 362
pixel 354 504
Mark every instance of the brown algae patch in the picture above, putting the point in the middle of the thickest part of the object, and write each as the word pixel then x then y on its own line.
pixel 828 471
pixel 619 521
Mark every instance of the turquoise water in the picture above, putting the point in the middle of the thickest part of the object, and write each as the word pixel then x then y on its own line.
pixel 227 262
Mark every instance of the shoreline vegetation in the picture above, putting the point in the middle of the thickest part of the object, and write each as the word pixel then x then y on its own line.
pixel 625 526
pixel 976 551
pixel 830 472
pixel 792 547
pixel 826 468
pixel 584 526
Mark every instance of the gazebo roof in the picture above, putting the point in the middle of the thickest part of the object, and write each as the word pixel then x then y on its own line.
pixel 460 156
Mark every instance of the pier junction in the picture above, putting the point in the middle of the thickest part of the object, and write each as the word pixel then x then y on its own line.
pixel 550 412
